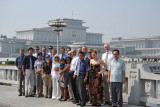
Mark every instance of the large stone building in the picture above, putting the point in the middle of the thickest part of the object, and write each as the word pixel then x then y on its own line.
pixel 74 35
pixel 137 46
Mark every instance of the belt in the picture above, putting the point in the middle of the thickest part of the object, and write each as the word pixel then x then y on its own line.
pixel 81 74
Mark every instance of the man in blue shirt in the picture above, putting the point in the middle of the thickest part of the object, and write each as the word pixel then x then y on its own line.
pixel 44 53
pixel 18 62
pixel 81 72
pixel 116 77
pixel 27 68
pixel 50 48
pixel 84 50
pixel 62 55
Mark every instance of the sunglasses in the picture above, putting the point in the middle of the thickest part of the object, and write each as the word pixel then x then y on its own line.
pixel 36 49
pixel 68 59
pixel 69 54
pixel 47 57
pixel 56 57
pixel 50 48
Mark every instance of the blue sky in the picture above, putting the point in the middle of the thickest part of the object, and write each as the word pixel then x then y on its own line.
pixel 113 18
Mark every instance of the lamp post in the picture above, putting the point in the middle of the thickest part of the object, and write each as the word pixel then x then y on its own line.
pixel 11 43
pixel 57 25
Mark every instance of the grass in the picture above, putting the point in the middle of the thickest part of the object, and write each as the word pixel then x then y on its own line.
pixel 6 65
pixel 6 84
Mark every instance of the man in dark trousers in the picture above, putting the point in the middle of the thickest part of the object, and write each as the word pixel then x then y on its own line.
pixel 71 73
pixel 21 79
pixel 116 77
pixel 81 74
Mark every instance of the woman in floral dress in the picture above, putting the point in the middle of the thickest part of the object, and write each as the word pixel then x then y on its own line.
pixel 96 79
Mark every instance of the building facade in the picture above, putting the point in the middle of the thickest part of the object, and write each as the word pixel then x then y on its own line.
pixel 75 34
pixel 137 46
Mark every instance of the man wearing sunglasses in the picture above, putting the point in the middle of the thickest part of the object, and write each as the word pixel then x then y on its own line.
pixel 50 48
pixel 36 48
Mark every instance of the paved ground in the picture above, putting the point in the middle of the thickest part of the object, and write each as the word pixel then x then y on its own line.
pixel 9 98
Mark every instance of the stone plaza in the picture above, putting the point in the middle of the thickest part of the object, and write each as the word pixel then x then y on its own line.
pixel 142 86
pixel 9 98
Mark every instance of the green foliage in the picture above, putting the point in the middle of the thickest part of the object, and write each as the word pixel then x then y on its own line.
pixel 10 62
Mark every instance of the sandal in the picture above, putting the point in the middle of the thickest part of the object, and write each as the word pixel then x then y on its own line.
pixel 63 99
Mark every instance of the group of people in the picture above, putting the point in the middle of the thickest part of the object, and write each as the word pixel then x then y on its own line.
pixel 75 75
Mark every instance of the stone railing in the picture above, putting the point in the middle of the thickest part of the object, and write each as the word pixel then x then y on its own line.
pixel 142 86
pixel 8 74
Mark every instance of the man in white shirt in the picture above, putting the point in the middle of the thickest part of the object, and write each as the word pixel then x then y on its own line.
pixel 107 57
pixel 36 48
pixel 74 62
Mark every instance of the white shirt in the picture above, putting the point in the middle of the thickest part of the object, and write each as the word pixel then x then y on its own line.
pixel 35 55
pixel 75 56
pixel 55 73
pixel 74 63
pixel 49 54
pixel 110 57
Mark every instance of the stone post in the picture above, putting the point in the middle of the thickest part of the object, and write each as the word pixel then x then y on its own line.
pixel 9 74
pixel 14 75
pixel 136 88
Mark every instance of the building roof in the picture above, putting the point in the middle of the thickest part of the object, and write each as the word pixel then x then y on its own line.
pixel 136 38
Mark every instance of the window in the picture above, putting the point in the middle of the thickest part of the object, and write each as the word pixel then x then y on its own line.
pixel 73 33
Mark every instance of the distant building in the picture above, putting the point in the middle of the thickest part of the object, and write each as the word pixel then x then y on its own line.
pixel 73 35
pixel 137 46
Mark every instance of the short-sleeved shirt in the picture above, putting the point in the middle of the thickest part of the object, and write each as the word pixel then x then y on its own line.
pixel 64 56
pixel 19 61
pixel 38 64
pixel 84 67
pixel 47 67
pixel 61 66
pixel 117 68
pixel 35 55
pixel 55 70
